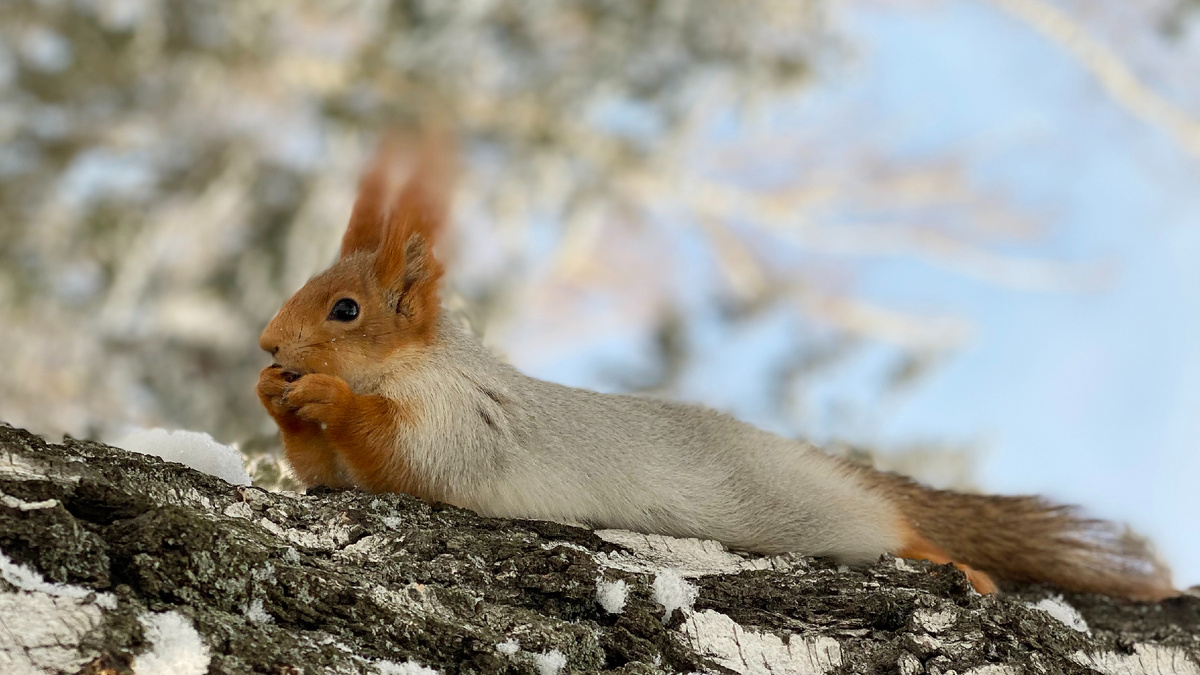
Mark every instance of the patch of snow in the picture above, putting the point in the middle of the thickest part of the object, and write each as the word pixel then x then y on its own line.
pixel 550 663
pixel 177 648
pixel 508 647
pixel 722 639
pixel 672 592
pixel 407 668
pixel 256 613
pixel 264 573
pixel 28 580
pixel 192 448
pixel 612 595
pixel 1065 613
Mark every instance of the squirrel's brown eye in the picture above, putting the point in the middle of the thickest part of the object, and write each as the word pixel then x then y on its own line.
pixel 344 310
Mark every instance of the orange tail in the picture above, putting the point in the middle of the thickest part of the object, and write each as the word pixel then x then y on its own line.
pixel 1025 539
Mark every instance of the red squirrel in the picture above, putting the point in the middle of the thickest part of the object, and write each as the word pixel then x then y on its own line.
pixel 373 386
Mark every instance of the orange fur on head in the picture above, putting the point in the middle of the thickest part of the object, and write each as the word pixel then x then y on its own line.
pixel 387 267
pixel 334 432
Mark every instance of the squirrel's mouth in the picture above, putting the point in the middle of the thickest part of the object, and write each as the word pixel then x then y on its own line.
pixel 289 374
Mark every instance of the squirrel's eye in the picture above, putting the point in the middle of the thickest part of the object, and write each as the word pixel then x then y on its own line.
pixel 344 310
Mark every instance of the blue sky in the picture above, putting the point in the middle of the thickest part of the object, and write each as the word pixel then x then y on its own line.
pixel 1086 397
pixel 1090 398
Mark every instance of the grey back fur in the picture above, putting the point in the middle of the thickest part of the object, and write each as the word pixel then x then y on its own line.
pixel 496 441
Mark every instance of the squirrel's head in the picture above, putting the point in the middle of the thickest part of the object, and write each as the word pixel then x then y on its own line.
pixel 380 299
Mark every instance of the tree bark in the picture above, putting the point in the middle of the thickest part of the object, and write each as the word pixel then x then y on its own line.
pixel 102 546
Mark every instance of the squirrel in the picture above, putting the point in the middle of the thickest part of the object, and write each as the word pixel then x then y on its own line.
pixel 373 386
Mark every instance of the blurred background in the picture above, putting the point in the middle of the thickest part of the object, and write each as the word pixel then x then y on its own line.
pixel 961 237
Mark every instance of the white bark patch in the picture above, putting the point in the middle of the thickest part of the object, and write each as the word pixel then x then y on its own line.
pixel 239 510
pixel 1065 613
pixel 13 467
pixel 992 669
pixel 909 664
pixel 1145 660
pixel 369 549
pixel 28 580
pixel 40 633
pixel 411 600
pixel 721 639
pixel 22 505
pixel 407 668
pixel 332 537
pixel 42 623
pixel 692 558
pixel 935 620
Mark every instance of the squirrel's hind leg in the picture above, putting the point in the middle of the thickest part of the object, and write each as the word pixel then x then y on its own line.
pixel 920 548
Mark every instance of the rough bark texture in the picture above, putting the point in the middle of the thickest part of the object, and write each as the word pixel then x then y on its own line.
pixel 341 581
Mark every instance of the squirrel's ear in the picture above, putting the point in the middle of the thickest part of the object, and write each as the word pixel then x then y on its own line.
pixel 415 218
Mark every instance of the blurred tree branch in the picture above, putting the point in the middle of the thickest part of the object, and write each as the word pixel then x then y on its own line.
pixel 1110 70
pixel 170 172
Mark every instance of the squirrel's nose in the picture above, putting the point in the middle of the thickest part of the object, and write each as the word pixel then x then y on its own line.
pixel 269 340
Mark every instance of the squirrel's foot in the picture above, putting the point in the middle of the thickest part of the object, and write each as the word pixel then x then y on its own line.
pixel 981 581
pixel 919 548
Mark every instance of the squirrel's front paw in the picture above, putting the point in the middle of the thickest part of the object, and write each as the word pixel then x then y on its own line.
pixel 318 398
pixel 272 381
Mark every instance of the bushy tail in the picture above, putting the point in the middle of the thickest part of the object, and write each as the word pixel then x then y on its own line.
pixel 1027 539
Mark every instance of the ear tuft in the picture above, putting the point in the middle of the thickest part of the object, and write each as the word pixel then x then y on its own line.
pixel 406 190
pixel 415 213
pixel 365 231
